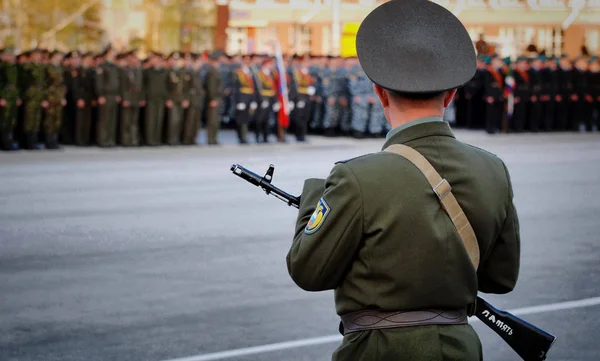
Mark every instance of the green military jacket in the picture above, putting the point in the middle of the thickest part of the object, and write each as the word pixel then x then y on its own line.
pixel 374 232
pixel 131 85
pixel 213 84
pixel 56 89
pixel 9 82
pixel 176 85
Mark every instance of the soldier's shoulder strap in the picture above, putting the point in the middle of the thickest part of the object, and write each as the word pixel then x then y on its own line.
pixel 443 190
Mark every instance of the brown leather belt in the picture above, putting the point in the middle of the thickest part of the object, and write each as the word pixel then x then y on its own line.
pixel 375 320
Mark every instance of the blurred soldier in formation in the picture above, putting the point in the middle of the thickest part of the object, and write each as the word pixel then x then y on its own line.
pixel 177 98
pixel 133 97
pixel 595 91
pixel 550 88
pixel 360 89
pixel 33 82
pixel 582 99
pixel 535 108
pixel 243 98
pixel 84 99
pixel 268 94
pixel 225 69
pixel 564 100
pixel 193 115
pixel 337 101
pixel 56 99
pixel 70 63
pixel 155 83
pixel 317 71
pixel 303 90
pixel 493 92
pixel 107 90
pixel 213 86
pixel 9 99
pixel 522 94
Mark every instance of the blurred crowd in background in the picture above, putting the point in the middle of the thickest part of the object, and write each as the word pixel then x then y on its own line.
pixel 49 98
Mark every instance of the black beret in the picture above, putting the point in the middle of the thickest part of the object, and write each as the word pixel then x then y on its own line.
pixel 415 46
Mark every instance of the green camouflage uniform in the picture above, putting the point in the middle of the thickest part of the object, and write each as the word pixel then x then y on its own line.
pixel 55 94
pixel 9 92
pixel 33 86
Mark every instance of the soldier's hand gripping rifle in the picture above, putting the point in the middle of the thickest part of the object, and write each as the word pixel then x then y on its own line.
pixel 530 342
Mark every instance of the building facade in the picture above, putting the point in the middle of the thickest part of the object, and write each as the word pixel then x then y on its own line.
pixel 329 26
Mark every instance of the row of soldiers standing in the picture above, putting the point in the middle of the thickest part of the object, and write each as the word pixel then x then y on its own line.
pixel 106 99
pixel 326 95
pixel 531 94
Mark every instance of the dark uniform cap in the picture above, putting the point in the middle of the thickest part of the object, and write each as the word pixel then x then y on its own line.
pixel 521 58
pixel 507 60
pixel 415 46
pixel 215 55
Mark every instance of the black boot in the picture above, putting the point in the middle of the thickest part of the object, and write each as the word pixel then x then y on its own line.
pixel 52 141
pixel 30 141
pixel 6 141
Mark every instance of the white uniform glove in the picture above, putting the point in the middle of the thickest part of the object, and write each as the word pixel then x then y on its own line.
pixel 241 106
pixel 301 104
pixel 276 107
pixel 291 105
pixel 264 104
pixel 311 90
pixel 253 106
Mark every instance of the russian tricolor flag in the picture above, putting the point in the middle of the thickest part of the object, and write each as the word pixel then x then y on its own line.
pixel 284 111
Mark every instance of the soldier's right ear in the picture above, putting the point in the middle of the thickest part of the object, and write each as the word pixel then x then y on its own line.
pixel 382 94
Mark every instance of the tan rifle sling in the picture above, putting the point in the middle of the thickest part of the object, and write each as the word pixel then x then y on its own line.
pixel 443 190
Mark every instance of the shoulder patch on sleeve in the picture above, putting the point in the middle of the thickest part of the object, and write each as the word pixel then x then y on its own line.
pixel 318 217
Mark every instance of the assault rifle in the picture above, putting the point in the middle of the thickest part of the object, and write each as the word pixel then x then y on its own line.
pixel 529 342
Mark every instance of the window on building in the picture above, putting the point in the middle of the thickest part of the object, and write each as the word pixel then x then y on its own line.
pixel 592 40
pixel 265 40
pixel 304 40
pixel 237 41
pixel 326 41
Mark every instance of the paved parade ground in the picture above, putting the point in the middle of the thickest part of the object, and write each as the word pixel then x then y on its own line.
pixel 157 254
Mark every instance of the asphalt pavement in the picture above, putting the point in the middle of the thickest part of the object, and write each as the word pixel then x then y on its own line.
pixel 161 253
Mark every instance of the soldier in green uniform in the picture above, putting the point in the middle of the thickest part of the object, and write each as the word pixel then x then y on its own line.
pixel 195 86
pixel 375 231
pixel 131 94
pixel 155 82
pixel 177 98
pixel 9 99
pixel 33 87
pixel 108 92
pixel 213 87
pixel 56 94
pixel 82 97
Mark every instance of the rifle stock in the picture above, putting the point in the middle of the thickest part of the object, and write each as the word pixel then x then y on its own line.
pixel 528 341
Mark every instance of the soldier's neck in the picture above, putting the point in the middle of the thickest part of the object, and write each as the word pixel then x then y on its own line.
pixel 398 117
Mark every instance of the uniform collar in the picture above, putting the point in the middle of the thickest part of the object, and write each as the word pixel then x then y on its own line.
pixel 417 131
